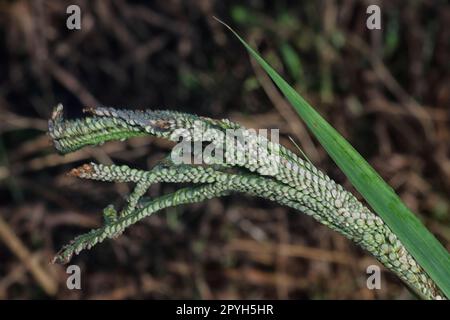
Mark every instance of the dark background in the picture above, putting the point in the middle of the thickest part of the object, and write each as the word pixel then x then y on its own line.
pixel 386 91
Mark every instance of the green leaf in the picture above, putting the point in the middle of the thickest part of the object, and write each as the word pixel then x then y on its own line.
pixel 422 245
pixel 292 60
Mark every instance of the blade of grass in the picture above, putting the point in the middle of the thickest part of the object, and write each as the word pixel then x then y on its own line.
pixel 422 245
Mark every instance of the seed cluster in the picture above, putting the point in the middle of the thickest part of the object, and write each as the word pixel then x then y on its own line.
pixel 292 182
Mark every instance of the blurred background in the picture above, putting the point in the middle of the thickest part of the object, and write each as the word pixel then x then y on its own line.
pixel 387 91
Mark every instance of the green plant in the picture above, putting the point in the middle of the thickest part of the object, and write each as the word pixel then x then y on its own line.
pixel 430 254
pixel 292 182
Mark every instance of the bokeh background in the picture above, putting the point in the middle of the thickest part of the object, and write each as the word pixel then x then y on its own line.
pixel 386 91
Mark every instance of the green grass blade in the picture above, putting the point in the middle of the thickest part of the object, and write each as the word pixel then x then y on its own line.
pixel 422 245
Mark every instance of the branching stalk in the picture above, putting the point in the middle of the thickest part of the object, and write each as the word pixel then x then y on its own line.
pixel 295 183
